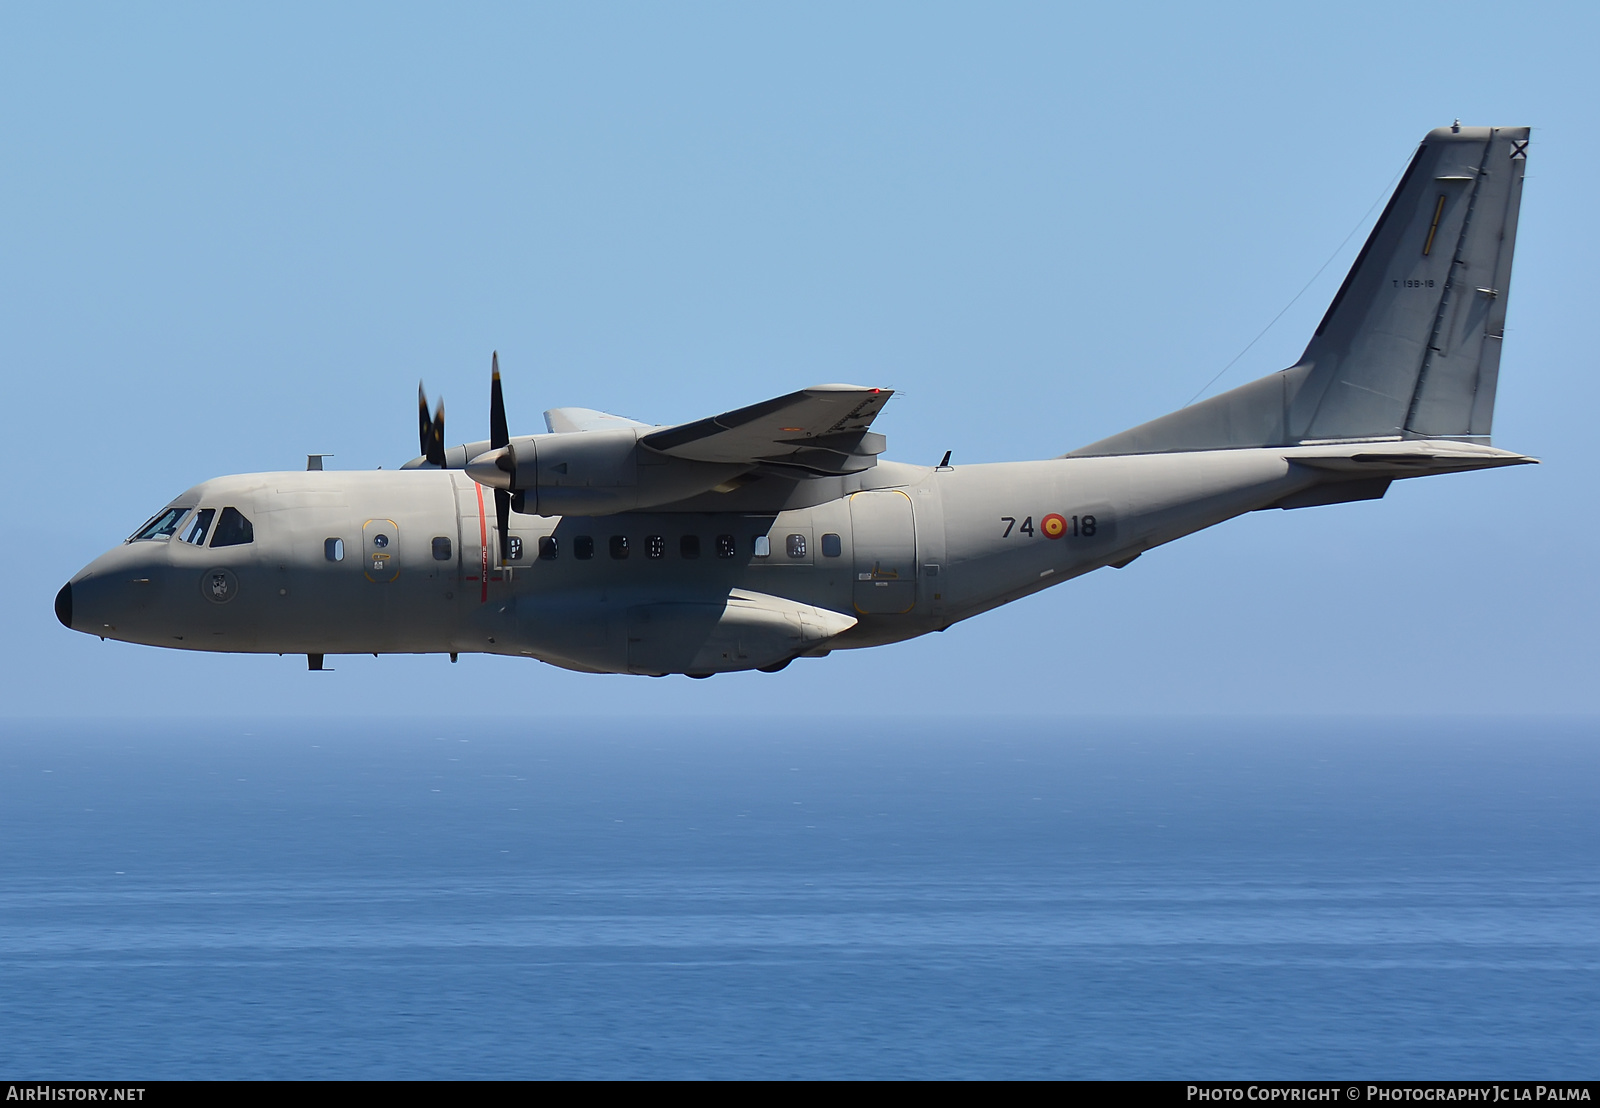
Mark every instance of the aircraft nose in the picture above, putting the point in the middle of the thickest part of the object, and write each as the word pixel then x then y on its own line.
pixel 64 605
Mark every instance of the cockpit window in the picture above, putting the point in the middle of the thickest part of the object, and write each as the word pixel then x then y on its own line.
pixel 162 526
pixel 195 533
pixel 233 529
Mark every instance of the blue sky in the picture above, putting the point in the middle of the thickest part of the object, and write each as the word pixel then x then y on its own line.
pixel 233 237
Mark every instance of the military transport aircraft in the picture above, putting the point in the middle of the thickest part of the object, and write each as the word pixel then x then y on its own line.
pixel 775 532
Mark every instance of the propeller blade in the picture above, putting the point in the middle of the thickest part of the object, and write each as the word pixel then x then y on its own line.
pixel 498 435
pixel 436 439
pixel 424 424
pixel 502 511
pixel 430 432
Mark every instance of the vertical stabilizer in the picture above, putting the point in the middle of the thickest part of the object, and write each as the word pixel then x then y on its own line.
pixel 1411 343
pixel 1410 346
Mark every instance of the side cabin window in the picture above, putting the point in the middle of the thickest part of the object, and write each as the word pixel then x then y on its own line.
pixel 831 547
pixel 763 546
pixel 548 548
pixel 796 546
pixel 333 550
pixel 513 548
pixel 441 549
pixel 233 529
pixel 195 533
pixel 689 547
pixel 160 526
pixel 725 546
pixel 619 546
pixel 583 547
pixel 655 546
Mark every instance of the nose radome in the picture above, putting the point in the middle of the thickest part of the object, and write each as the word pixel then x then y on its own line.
pixel 64 605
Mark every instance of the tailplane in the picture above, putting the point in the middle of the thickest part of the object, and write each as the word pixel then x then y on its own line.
pixel 1410 346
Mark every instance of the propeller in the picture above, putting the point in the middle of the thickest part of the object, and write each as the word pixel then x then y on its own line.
pixel 500 437
pixel 430 432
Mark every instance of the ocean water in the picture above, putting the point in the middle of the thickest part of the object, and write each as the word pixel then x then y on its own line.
pixel 988 897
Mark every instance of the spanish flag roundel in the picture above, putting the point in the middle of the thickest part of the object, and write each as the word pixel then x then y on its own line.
pixel 1053 526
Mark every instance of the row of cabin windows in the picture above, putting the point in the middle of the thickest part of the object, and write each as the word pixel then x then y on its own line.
pixel 655 546
pixel 234 529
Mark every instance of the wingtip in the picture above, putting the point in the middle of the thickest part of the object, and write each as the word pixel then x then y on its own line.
pixel 868 389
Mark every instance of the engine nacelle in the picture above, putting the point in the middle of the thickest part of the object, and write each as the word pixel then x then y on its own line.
pixel 592 473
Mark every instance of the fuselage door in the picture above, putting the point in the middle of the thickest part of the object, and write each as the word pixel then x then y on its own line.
pixel 885 542
pixel 380 549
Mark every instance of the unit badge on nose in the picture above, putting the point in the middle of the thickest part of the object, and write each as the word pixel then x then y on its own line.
pixel 219 585
pixel 1053 526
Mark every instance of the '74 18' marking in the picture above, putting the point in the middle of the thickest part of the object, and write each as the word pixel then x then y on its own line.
pixel 1053 526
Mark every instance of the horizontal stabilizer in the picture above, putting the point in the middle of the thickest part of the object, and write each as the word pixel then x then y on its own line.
pixel 1365 470
pixel 1412 458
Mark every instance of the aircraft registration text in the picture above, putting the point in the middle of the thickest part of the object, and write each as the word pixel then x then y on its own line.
pixel 1053 526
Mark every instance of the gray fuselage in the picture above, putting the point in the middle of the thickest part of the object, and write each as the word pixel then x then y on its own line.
pixel 406 561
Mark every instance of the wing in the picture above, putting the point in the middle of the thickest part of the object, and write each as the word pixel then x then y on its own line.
pixel 820 430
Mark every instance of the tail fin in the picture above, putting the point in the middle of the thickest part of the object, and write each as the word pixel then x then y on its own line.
pixel 1410 346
